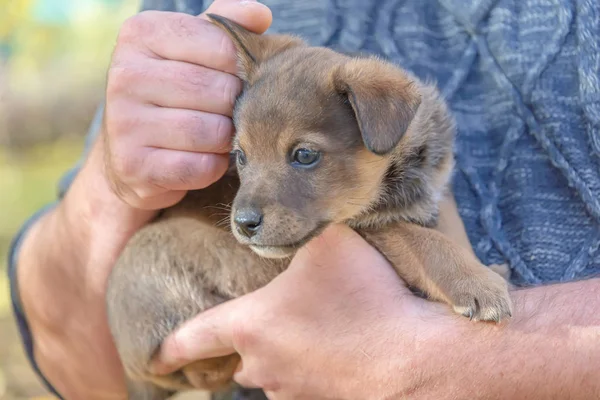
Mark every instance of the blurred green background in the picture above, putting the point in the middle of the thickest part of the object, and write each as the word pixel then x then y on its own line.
pixel 53 60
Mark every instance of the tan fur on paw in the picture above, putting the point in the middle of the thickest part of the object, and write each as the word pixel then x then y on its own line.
pixel 484 299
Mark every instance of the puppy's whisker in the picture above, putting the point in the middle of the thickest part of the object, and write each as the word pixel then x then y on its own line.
pixel 218 207
pixel 222 215
pixel 223 222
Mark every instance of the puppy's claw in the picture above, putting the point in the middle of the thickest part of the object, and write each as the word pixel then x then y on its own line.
pixel 484 300
pixel 492 313
pixel 468 313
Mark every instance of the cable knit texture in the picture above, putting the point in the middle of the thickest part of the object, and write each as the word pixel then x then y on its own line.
pixel 523 80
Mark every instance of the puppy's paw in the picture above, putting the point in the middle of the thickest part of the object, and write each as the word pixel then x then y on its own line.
pixel 212 374
pixel 483 298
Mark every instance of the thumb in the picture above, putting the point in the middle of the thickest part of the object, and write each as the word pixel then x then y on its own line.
pixel 208 335
pixel 252 15
pixel 342 254
pixel 337 245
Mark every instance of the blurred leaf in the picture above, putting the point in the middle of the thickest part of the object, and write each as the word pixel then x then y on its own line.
pixel 75 43
pixel 14 14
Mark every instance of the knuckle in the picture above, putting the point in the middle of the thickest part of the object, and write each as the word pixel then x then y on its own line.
pixel 190 127
pixel 199 79
pixel 202 132
pixel 183 170
pixel 156 178
pixel 185 24
pixel 213 166
pixel 177 170
pixel 119 80
pixel 178 349
pixel 120 120
pixel 228 53
pixel 124 166
pixel 223 132
pixel 245 334
pixel 186 120
pixel 122 79
pixel 134 27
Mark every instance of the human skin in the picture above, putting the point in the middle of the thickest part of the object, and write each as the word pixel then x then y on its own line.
pixel 347 301
pixel 166 130
pixel 338 324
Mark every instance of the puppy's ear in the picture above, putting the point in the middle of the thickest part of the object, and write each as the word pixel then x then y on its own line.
pixel 384 99
pixel 252 49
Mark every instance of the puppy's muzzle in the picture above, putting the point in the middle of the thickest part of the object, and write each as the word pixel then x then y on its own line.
pixel 248 221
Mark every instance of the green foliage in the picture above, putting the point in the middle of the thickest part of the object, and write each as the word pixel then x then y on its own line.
pixel 73 48
pixel 16 12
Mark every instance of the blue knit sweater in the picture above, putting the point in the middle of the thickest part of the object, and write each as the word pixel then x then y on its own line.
pixel 522 78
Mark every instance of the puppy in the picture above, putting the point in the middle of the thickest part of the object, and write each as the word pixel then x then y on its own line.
pixel 321 138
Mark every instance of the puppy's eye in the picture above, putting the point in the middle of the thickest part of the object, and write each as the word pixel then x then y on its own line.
pixel 306 157
pixel 240 157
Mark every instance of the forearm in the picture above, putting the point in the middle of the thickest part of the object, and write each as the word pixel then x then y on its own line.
pixel 63 264
pixel 551 350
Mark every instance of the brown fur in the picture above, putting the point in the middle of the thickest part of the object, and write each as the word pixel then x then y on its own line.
pixel 385 141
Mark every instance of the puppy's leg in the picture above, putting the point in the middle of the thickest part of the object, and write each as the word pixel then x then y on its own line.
pixel 171 271
pixel 445 271
pixel 452 226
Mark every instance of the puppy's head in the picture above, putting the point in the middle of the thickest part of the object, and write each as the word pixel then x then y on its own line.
pixel 315 131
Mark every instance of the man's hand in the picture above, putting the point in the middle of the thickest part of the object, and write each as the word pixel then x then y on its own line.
pixel 339 324
pixel 328 327
pixel 170 95
pixel 166 130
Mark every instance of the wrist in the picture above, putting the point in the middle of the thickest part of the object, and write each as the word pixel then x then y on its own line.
pixel 63 266
pixel 411 374
pixel 542 352
pixel 450 356
pixel 95 214
pixel 86 231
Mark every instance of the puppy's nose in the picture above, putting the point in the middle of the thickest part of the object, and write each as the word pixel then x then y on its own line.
pixel 248 221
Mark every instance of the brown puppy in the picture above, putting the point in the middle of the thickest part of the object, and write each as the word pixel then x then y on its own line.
pixel 321 138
